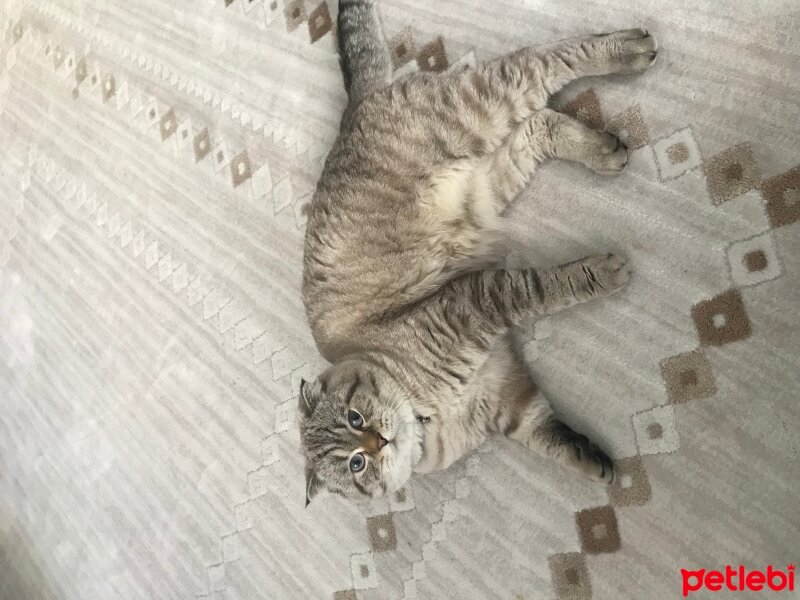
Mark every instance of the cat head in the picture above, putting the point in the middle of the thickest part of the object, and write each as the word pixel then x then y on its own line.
pixel 358 430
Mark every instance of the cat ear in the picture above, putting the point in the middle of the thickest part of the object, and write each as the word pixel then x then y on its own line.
pixel 309 396
pixel 312 484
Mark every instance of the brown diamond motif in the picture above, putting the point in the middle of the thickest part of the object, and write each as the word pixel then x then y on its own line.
pixel 319 22
pixel 631 486
pixel 586 108
pixel 201 145
pixel 677 153
pixel 240 168
pixel 570 576
pixel 109 87
pixel 731 173
pixel 17 32
pixel 755 261
pixel 58 57
pixel 432 57
pixel 168 124
pixel 81 71
pixel 598 531
pixel 782 195
pixel 722 319
pixel 630 128
pixel 345 595
pixel 382 535
pixel 402 48
pixel 688 377
pixel 295 13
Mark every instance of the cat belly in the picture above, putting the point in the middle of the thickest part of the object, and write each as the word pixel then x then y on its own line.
pixel 458 213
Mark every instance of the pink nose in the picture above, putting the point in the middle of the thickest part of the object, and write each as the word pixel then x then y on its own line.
pixel 382 441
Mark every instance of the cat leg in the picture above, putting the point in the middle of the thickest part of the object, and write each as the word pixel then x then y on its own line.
pixel 471 113
pixel 558 441
pixel 489 302
pixel 540 72
pixel 561 136
pixel 525 416
pixel 363 52
pixel 549 134
pixel 511 88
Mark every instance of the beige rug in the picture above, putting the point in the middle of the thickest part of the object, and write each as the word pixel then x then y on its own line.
pixel 155 158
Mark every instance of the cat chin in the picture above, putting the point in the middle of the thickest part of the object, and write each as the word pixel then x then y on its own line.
pixel 406 453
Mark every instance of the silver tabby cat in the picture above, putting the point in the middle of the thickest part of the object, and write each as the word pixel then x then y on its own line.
pixel 401 284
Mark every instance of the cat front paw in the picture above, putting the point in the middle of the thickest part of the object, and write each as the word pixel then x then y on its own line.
pixel 592 461
pixel 631 50
pixel 606 273
pixel 612 155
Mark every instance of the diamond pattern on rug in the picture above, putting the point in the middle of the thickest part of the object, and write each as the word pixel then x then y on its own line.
pixel 754 260
pixel 688 377
pixel 782 195
pixel 570 576
pixel 402 48
pixel 731 173
pixel 319 22
pixel 586 108
pixel 676 154
pixel 722 319
pixel 201 145
pixel 655 430
pixel 168 124
pixel 597 530
pixel 109 87
pixel 364 571
pixel 240 168
pixel 381 532
pixel 295 13
pixel 629 127
pixel 631 487
pixel 432 57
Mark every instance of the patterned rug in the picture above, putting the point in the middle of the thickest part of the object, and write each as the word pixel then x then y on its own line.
pixel 155 161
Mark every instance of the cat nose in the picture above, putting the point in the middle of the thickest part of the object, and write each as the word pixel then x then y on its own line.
pixel 380 440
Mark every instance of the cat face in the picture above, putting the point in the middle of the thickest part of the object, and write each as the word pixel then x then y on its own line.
pixel 358 430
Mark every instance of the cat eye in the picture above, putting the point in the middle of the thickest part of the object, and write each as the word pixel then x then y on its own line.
pixel 357 462
pixel 356 420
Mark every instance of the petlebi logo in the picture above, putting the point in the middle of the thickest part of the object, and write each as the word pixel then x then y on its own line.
pixel 738 579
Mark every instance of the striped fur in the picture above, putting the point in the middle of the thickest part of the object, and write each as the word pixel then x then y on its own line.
pixel 402 232
pixel 363 53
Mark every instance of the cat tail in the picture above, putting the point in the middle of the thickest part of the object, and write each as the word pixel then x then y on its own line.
pixel 363 51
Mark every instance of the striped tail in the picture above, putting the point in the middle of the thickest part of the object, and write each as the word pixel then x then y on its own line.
pixel 363 51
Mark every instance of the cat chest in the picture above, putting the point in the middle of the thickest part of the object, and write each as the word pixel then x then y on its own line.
pixel 451 432
pixel 460 420
pixel 455 205
pixel 444 443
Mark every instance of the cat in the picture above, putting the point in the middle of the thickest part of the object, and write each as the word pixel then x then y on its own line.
pixel 400 283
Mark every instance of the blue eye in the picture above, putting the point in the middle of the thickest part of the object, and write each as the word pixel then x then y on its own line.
pixel 356 420
pixel 357 462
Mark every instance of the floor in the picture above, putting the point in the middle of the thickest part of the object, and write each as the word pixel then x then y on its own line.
pixel 155 161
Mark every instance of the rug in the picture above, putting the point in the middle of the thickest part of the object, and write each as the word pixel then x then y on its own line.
pixel 155 162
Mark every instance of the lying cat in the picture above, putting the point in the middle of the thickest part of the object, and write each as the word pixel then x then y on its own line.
pixel 402 230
